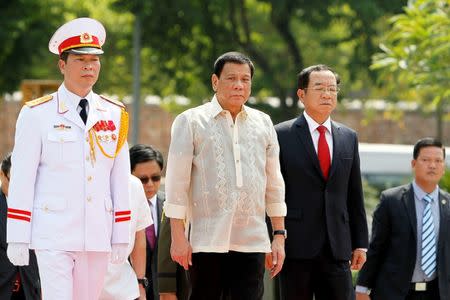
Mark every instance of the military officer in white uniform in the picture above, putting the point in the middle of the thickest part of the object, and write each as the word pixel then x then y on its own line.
pixel 69 181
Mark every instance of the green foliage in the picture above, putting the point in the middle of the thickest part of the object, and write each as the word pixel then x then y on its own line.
pixel 27 25
pixel 445 181
pixel 181 39
pixel 282 37
pixel 416 53
pixel 25 28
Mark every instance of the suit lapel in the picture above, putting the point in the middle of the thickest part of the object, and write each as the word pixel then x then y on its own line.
pixel 444 211
pixel 303 134
pixel 337 145
pixel 69 112
pixel 95 112
pixel 159 208
pixel 408 201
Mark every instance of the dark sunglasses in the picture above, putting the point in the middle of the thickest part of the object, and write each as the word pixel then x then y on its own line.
pixel 154 178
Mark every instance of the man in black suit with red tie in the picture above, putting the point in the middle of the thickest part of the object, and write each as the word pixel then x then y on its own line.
pixel 326 220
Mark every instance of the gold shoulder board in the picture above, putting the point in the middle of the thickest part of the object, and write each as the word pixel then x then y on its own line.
pixel 39 101
pixel 116 102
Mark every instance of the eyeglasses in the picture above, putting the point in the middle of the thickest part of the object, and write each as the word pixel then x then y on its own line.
pixel 154 178
pixel 334 90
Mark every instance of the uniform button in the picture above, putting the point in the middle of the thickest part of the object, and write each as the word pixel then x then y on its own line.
pixel 87 158
pixel 89 199
pixel 89 178
pixel 87 139
pixel 237 161
pixel 45 208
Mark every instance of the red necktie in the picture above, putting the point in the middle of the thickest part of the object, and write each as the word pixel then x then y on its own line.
pixel 323 152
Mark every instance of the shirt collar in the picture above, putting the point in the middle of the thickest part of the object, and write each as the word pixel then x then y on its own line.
pixel 216 109
pixel 313 124
pixel 152 200
pixel 421 193
pixel 70 99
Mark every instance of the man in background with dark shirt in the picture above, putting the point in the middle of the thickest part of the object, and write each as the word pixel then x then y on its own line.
pixel 16 283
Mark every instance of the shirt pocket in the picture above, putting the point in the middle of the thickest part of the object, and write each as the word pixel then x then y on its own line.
pixel 49 204
pixel 62 146
pixel 109 205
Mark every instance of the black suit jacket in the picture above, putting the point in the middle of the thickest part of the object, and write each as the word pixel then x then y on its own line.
pixel 28 274
pixel 151 271
pixel 321 211
pixel 171 276
pixel 392 252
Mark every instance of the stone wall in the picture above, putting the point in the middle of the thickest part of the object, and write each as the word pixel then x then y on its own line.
pixel 380 128
pixel 155 126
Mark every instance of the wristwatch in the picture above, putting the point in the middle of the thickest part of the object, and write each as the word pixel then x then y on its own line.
pixel 282 232
pixel 143 281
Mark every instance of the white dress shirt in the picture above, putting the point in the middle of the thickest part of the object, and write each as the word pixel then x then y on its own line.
pixel 152 203
pixel 223 177
pixel 313 125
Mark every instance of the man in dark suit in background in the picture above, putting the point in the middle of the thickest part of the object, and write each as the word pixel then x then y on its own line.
pixel 409 252
pixel 326 220
pixel 16 283
pixel 173 280
pixel 147 164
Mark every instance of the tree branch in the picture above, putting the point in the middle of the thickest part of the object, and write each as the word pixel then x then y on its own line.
pixel 256 55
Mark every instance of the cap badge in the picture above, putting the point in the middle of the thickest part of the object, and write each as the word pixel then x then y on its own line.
pixel 86 38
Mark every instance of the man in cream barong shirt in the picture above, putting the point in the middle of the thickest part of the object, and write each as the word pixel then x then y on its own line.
pixel 223 176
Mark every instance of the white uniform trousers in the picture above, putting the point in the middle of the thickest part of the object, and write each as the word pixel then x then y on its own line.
pixel 72 275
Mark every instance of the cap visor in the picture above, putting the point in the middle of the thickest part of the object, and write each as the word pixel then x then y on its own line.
pixel 85 50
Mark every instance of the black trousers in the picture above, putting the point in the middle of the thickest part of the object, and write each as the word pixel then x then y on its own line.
pixel 232 275
pixel 431 294
pixel 323 277
pixel 19 295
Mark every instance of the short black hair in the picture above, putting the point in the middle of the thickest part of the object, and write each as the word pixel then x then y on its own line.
pixel 6 164
pixel 141 153
pixel 232 57
pixel 63 56
pixel 427 142
pixel 303 76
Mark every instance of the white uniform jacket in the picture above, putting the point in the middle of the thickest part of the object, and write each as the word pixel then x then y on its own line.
pixel 63 196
